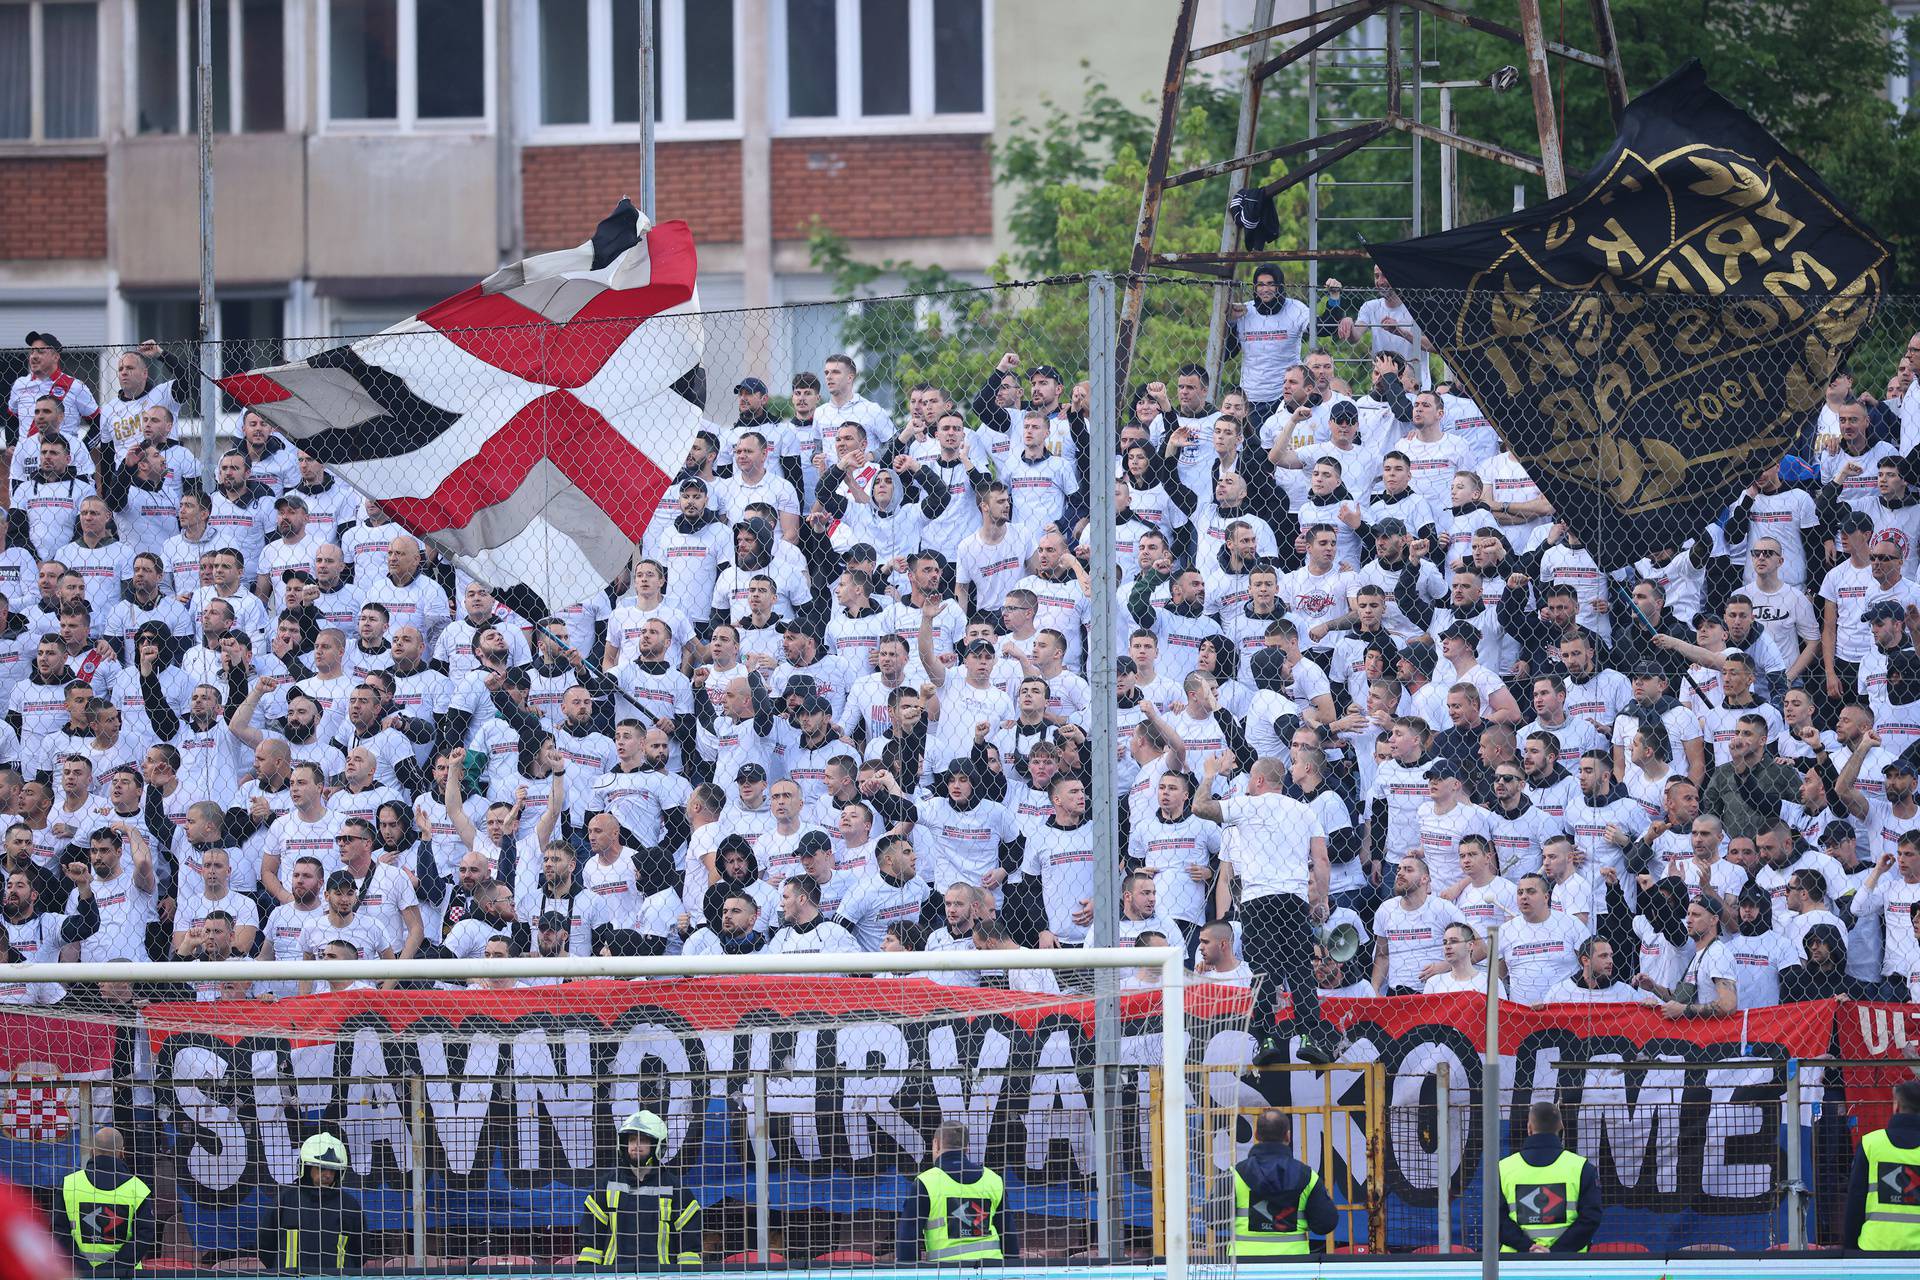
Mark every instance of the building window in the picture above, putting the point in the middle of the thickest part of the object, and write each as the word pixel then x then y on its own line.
pixel 1903 83
pixel 50 71
pixel 407 63
pixel 249 66
pixel 850 63
pixel 247 334
pixel 589 66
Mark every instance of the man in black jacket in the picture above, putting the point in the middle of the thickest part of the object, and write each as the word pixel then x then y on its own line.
pixel 634 1221
pixel 1535 1182
pixel 316 1227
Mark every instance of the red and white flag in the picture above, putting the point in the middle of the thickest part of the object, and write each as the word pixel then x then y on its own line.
pixel 527 426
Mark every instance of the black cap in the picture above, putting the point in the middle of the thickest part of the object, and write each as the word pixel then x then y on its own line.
pixel 286 500
pixel 517 678
pixel 1391 527
pixel 1443 768
pixel 1421 655
pixel 1856 522
pixel 813 842
pixel 1461 629
pixel 1125 666
pixel 978 646
pixel 1900 764
pixel 1045 371
pixel 1648 668
pixel 47 338
pixel 802 686
pixel 553 922
pixel 1267 670
pixel 1885 611
pixel 1708 617
pixel 752 386
pixel 814 705
pixel 1834 832
pixel 694 481
pixel 1343 411
pixel 750 772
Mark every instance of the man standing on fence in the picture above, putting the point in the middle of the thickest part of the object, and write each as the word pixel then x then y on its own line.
pixel 1276 1199
pixel 1549 1196
pixel 957 1210
pixel 1883 1193
pixel 109 1227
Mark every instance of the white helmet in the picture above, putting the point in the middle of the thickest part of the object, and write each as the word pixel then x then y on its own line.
pixel 645 1122
pixel 323 1151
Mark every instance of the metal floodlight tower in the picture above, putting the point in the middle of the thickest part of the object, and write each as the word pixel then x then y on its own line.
pixel 1363 47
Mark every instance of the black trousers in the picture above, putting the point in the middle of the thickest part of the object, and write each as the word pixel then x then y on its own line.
pixel 1276 934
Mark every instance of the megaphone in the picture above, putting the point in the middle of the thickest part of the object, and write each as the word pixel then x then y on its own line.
pixel 1341 941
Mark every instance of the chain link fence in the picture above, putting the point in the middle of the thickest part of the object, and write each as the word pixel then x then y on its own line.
pixel 849 641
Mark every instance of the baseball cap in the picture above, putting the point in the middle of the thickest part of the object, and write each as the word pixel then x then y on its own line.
pixel 1856 522
pixel 1885 611
pixel 814 705
pixel 1125 666
pixel 286 500
pixel 1900 764
pixel 47 338
pixel 750 773
pixel 553 922
pixel 1391 527
pixel 1421 655
pixel 1443 768
pixel 1460 629
pixel 693 482
pixel 1796 470
pixel 1343 411
pixel 978 646
pixel 1834 832
pixel 752 386
pixel 1045 371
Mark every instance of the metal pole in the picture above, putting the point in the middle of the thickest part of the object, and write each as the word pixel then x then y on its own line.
pixel 1173 1073
pixel 1443 1138
pixel 1533 37
pixel 1490 1121
pixel 1101 737
pixel 206 355
pixel 646 106
pixel 1796 1185
pixel 1236 181
pixel 1449 161
pixel 762 1174
pixel 419 1179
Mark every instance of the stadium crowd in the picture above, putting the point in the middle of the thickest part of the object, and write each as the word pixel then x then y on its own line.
pixel 840 701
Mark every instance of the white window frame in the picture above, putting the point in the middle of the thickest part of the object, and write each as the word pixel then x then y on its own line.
pixel 37 80
pixel 187 58
pixel 407 105
pixel 849 121
pixel 1900 81
pixel 600 126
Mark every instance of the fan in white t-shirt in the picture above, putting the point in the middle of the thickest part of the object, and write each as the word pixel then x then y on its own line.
pixel 1540 947
pixel 1708 986
pixel 1461 974
pixel 1407 930
pixel 1594 983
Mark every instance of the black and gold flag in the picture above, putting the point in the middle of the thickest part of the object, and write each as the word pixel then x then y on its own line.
pixel 1650 341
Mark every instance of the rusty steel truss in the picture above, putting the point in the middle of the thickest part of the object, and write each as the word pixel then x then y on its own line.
pixel 1306 38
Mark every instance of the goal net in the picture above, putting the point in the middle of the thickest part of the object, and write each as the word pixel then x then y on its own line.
pixel 480 1112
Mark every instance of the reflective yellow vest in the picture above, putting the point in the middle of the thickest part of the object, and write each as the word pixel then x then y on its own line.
pixel 1264 1230
pixel 963 1218
pixel 1893 1195
pixel 101 1222
pixel 1544 1200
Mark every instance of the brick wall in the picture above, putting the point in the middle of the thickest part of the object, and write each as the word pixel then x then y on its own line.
pixel 54 207
pixel 864 188
pixel 567 190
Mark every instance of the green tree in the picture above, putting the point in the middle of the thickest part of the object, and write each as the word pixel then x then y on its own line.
pixel 1814 72
pixel 1076 177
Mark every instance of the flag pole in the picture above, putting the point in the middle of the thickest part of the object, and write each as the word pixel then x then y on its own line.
pixel 646 107
pixel 209 391
pixel 1615 585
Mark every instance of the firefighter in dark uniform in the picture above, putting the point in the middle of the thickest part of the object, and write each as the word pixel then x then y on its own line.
pixel 1883 1194
pixel 957 1210
pixel 316 1227
pixel 1276 1199
pixel 1549 1196
pixel 636 1221
pixel 109 1228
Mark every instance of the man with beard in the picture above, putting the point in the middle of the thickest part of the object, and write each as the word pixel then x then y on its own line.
pixel 646 797
pixel 736 933
pixel 1746 792
pixel 661 693
pixel 740 731
pixel 559 889
pixel 691 548
pixel 493 916
pixel 40 935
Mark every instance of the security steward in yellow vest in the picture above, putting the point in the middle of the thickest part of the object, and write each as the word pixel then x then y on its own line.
pixel 1276 1199
pixel 636 1222
pixel 316 1227
pixel 108 1224
pixel 957 1212
pixel 1549 1196
pixel 1883 1193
